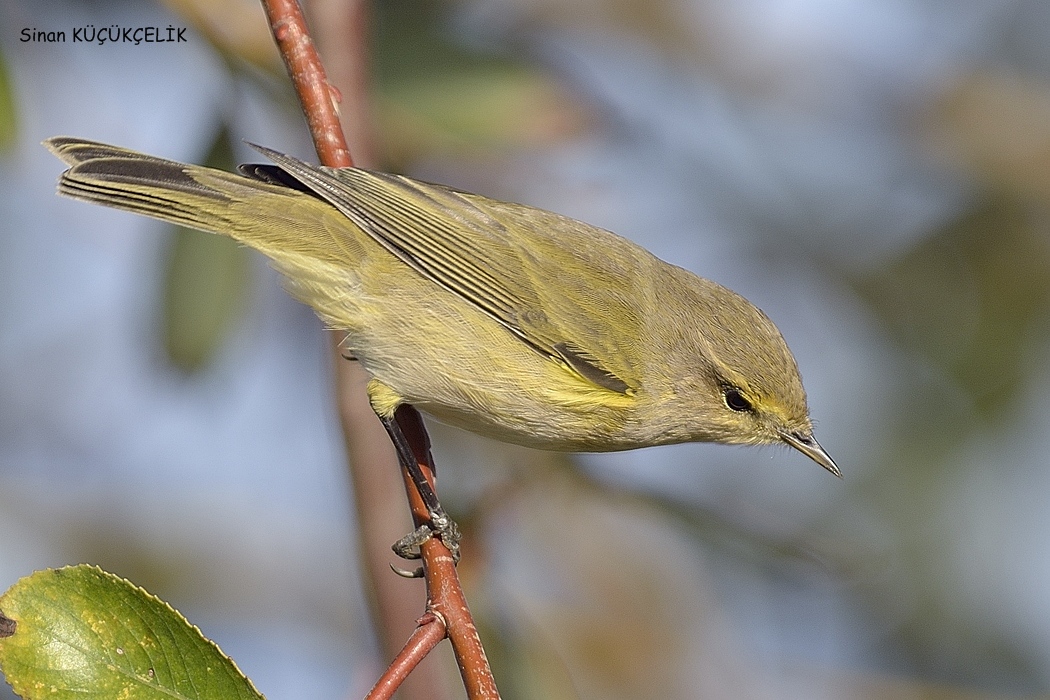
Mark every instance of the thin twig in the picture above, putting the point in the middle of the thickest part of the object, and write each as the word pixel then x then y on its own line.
pixel 317 97
pixel 430 631
pixel 443 587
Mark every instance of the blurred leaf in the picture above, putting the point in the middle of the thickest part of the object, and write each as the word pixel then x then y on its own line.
pixel 525 662
pixel 604 596
pixel 235 27
pixel 996 126
pixel 81 633
pixel 205 285
pixel 483 108
pixel 8 111
pixel 972 298
pixel 433 93
pixel 971 301
pixel 411 40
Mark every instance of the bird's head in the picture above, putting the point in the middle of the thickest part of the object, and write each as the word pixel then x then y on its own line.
pixel 750 387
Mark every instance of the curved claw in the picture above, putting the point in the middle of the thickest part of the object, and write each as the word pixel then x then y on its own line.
pixel 405 573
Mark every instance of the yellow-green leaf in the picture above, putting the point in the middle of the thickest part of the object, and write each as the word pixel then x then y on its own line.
pixel 81 633
pixel 8 107
pixel 206 282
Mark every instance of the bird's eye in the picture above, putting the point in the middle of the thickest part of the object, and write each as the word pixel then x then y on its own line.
pixel 736 401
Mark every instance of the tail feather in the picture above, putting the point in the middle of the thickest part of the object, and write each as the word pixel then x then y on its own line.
pixel 95 184
pixel 72 150
pixel 282 222
pixel 163 189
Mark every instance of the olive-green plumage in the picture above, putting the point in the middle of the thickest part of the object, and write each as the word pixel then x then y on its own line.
pixel 503 319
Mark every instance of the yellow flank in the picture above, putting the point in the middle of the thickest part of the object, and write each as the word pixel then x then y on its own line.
pixel 504 319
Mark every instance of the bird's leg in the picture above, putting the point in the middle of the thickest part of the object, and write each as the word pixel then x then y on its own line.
pixel 440 524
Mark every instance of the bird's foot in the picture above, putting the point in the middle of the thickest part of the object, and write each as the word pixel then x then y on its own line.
pixel 409 546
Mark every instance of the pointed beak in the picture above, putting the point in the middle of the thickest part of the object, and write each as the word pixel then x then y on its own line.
pixel 808 446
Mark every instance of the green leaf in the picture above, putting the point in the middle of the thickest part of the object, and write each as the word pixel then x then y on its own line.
pixel 81 633
pixel 205 285
pixel 8 107
pixel 435 94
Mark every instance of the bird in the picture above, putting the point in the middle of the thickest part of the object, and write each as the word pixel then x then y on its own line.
pixel 506 320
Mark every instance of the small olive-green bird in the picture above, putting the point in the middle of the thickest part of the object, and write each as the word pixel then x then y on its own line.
pixel 506 320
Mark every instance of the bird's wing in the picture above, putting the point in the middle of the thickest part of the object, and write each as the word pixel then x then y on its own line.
pixel 569 290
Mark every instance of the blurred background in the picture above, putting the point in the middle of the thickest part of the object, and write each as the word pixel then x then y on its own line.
pixel 874 174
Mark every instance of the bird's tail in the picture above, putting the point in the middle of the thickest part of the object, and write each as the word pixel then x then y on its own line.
pixel 283 222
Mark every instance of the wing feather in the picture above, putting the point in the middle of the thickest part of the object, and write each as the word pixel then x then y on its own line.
pixel 462 242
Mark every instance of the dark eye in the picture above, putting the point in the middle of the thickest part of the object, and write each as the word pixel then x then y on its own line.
pixel 736 401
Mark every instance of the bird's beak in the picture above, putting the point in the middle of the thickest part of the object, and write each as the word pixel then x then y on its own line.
pixel 807 445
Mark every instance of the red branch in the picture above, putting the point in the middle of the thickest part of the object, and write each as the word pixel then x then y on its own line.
pixel 446 602
pixel 443 588
pixel 429 631
pixel 316 95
